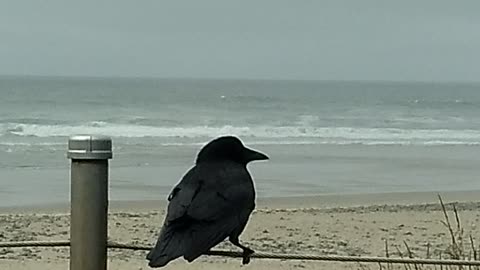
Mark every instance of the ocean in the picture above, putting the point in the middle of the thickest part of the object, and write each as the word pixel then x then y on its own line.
pixel 158 125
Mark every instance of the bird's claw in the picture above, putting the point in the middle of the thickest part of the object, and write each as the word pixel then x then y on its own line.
pixel 246 255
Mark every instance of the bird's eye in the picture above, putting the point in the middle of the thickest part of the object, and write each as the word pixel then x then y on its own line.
pixel 173 193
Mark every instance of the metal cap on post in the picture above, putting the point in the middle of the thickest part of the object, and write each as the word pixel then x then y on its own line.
pixel 89 147
pixel 89 201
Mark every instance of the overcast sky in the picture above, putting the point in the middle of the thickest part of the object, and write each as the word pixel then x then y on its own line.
pixel 427 40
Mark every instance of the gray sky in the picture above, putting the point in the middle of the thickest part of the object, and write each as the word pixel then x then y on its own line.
pixel 296 39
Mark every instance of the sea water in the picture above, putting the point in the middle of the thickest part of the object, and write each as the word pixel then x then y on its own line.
pixel 158 125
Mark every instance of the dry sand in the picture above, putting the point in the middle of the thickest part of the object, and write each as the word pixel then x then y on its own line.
pixel 339 225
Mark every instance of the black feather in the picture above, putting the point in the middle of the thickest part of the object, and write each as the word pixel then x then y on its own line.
pixel 213 201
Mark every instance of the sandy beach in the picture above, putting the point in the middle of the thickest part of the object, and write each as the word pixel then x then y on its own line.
pixel 356 225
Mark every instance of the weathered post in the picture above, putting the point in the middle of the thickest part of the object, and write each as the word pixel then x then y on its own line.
pixel 89 201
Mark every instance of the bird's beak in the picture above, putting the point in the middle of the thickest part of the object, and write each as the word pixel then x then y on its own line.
pixel 252 155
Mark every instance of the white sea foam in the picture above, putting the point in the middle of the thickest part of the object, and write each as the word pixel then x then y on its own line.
pixel 6 143
pixel 258 134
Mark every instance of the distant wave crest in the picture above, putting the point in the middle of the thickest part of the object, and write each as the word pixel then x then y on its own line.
pixel 266 134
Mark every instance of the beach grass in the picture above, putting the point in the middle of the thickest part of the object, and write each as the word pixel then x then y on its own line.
pixel 460 247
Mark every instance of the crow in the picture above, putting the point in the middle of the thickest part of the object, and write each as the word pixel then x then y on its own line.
pixel 213 201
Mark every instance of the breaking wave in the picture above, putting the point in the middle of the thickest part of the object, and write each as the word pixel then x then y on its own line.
pixel 254 134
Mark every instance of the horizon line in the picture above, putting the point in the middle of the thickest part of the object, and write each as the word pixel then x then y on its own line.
pixel 93 77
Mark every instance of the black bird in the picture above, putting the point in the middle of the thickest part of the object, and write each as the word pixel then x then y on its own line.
pixel 213 201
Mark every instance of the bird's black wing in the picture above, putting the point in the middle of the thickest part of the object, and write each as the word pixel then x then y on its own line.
pixel 208 204
pixel 220 204
pixel 209 194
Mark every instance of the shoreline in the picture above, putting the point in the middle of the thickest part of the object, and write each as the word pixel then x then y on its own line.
pixel 324 201
pixel 293 171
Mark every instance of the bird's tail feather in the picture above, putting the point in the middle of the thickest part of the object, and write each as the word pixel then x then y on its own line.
pixel 174 241
pixel 170 245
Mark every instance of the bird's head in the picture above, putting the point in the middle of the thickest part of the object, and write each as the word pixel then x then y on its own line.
pixel 228 148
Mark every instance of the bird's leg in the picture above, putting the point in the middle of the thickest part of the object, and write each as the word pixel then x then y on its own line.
pixel 246 251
